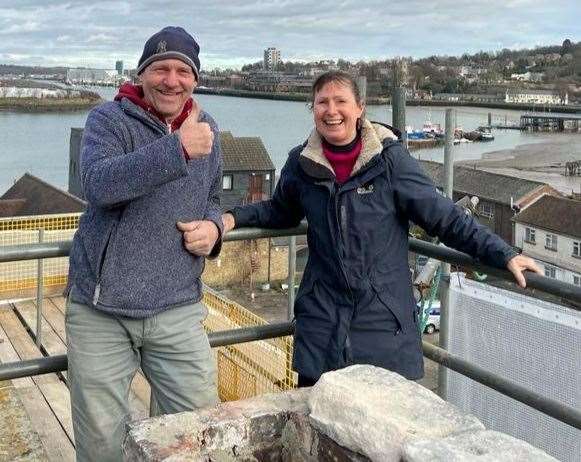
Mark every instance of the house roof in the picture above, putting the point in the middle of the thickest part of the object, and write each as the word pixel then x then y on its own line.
pixel 244 153
pixel 486 185
pixel 32 196
pixel 10 207
pixel 557 214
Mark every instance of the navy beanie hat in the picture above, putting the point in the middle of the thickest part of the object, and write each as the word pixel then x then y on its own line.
pixel 171 42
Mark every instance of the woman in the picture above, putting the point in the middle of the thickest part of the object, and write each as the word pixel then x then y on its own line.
pixel 359 188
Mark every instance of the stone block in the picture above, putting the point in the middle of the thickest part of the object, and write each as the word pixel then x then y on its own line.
pixel 226 431
pixel 482 446
pixel 373 411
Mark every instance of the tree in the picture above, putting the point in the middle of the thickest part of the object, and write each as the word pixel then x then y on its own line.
pixel 576 62
pixel 567 47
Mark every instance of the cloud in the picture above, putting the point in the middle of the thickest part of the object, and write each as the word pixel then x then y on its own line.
pixel 234 32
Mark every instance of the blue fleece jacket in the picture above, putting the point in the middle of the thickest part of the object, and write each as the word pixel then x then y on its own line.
pixel 128 257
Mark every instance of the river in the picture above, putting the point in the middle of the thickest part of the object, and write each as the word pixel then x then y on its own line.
pixel 38 143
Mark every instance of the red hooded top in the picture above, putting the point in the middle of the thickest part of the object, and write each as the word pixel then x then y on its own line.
pixel 134 93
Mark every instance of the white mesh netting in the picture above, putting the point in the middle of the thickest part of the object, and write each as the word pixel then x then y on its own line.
pixel 531 342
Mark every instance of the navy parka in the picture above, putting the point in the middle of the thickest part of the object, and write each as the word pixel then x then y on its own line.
pixel 355 302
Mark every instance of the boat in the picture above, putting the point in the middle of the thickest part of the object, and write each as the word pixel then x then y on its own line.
pixel 414 134
pixel 485 134
pixel 432 130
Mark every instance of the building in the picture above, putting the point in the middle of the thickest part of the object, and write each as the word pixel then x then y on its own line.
pixel 470 97
pixel 525 96
pixel 266 81
pixel 92 76
pixel 248 174
pixel 271 58
pixel 32 196
pixel 500 196
pixel 549 230
pixel 119 67
pixel 528 77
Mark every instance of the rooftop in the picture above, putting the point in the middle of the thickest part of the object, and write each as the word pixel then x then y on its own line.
pixel 486 185
pixel 244 153
pixel 557 214
pixel 32 196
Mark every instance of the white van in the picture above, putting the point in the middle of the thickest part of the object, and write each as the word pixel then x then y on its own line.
pixel 433 323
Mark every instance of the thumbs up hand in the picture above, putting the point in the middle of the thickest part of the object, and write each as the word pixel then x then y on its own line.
pixel 196 137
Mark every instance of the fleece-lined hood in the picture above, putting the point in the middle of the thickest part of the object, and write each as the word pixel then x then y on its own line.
pixel 373 137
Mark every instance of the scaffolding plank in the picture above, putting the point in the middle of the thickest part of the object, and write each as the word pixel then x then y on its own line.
pixel 9 355
pixel 22 343
pixel 18 440
pixel 54 439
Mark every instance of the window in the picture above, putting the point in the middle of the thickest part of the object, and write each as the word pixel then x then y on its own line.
pixel 551 242
pixel 577 249
pixel 530 235
pixel 550 271
pixel 486 210
pixel 227 182
pixel 577 280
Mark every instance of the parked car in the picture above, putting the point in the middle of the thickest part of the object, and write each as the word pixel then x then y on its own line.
pixel 433 323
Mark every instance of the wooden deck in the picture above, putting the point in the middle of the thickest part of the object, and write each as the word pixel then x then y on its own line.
pixel 39 406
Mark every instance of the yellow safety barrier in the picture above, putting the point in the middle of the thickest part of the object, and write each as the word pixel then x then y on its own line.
pixel 18 279
pixel 253 368
pixel 244 370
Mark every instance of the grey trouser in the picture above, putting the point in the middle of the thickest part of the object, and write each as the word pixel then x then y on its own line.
pixel 105 352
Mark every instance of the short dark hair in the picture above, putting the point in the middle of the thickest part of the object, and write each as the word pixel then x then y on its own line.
pixel 336 77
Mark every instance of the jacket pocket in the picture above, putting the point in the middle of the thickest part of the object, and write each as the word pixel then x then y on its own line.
pixel 101 263
pixel 306 288
pixel 392 305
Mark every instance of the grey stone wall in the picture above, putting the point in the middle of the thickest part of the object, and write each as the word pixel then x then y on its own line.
pixel 361 413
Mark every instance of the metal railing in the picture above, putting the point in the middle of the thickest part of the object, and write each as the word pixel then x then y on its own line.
pixel 548 406
pixel 534 281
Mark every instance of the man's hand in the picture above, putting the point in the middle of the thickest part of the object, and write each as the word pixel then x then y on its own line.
pixel 228 221
pixel 517 265
pixel 199 236
pixel 197 138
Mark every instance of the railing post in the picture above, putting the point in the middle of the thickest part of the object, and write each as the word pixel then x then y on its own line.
pixel 398 98
pixel 445 278
pixel 292 267
pixel 39 291
pixel 398 112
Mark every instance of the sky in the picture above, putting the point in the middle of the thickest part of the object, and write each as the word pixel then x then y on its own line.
pixel 236 32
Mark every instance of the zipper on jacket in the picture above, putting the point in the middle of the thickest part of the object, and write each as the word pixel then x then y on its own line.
pixel 343 220
pixel 97 291
pixel 340 252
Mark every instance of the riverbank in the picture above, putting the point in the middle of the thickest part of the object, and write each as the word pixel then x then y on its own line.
pixel 300 97
pixel 376 101
pixel 48 104
pixel 569 109
pixel 543 161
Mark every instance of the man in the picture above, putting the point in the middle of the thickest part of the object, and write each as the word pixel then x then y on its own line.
pixel 151 174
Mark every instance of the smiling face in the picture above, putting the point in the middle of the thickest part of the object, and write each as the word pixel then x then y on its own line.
pixel 336 111
pixel 167 85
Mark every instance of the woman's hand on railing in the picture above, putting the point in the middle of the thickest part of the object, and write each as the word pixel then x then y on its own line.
pixel 518 265
pixel 228 221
